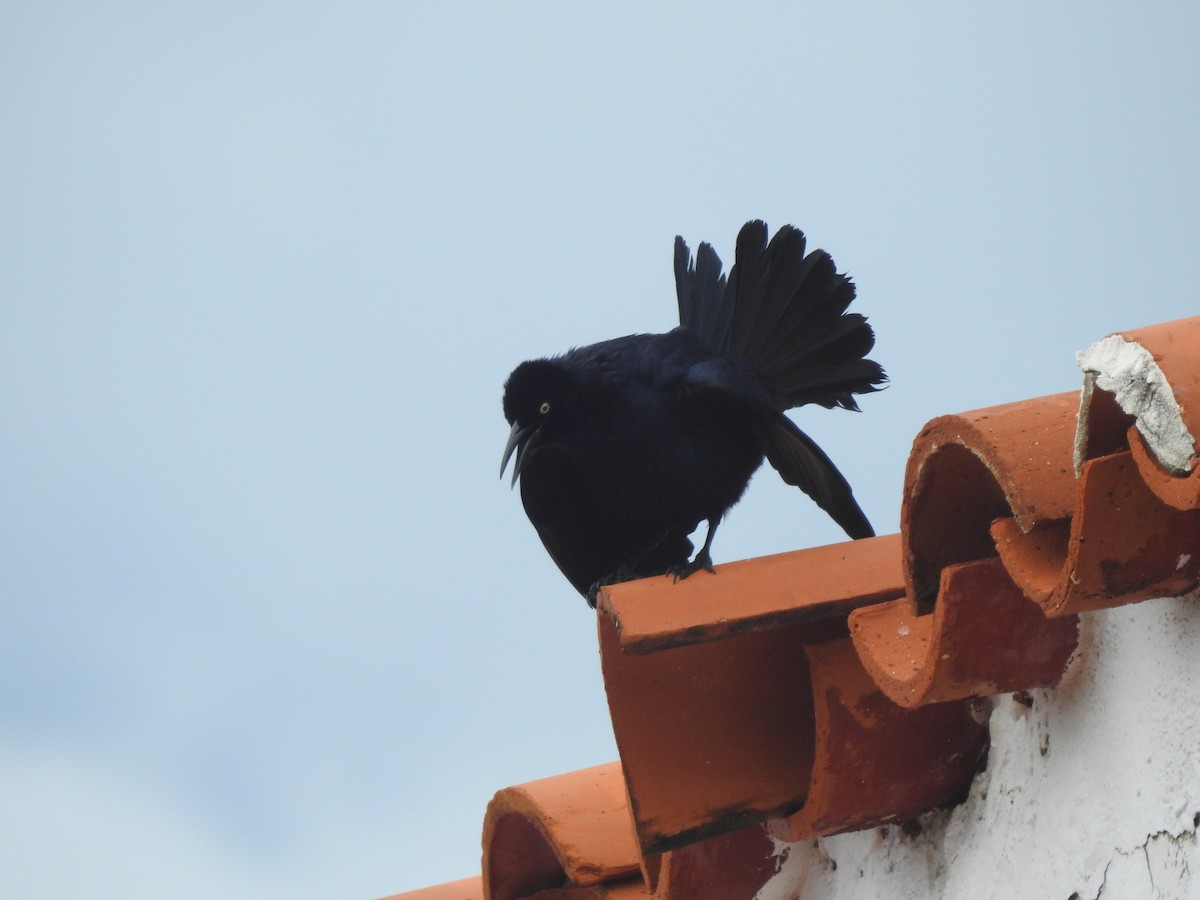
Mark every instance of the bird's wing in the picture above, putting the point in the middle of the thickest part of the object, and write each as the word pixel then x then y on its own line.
pixel 802 463
pixel 796 456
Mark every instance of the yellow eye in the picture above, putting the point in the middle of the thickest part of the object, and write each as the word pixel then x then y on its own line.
pixel 544 408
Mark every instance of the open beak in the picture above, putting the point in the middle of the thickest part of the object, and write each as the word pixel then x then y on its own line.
pixel 518 440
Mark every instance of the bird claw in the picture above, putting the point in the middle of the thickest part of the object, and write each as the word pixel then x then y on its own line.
pixel 624 573
pixel 702 561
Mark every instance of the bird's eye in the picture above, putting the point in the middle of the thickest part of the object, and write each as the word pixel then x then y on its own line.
pixel 544 408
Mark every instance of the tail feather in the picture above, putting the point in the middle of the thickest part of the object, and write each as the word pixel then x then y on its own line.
pixel 844 337
pixel 812 321
pixel 817 304
pixel 837 387
pixel 834 358
pixel 782 312
pixel 705 305
pixel 763 281
pixel 818 347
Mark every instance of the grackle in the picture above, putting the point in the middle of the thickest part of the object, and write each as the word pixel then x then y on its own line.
pixel 625 446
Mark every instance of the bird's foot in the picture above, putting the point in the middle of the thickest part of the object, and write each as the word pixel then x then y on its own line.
pixel 701 561
pixel 623 573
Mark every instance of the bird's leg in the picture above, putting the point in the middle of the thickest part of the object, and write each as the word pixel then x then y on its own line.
pixel 703 559
pixel 630 570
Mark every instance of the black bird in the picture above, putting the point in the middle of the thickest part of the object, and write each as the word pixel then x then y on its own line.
pixel 625 446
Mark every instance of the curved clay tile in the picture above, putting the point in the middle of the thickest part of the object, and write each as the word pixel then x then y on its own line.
pixel 467 889
pixel 1123 545
pixel 984 636
pixel 964 628
pixel 1152 375
pixel 1180 493
pixel 724 733
pixel 769 591
pixel 714 736
pixel 630 889
pixel 969 469
pixel 730 865
pixel 875 761
pixel 1136 528
pixel 569 830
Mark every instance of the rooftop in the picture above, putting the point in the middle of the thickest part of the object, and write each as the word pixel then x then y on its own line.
pixel 841 688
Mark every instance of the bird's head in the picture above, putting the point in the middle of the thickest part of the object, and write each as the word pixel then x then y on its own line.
pixel 540 398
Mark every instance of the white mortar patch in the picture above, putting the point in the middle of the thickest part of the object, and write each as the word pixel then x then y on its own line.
pixel 1128 372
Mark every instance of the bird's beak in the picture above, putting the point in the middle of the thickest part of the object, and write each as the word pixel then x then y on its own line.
pixel 517 440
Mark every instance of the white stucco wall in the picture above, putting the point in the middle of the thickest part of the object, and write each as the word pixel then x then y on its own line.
pixel 1092 792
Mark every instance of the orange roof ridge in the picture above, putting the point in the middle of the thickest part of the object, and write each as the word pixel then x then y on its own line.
pixel 983 637
pixel 467 889
pixel 969 469
pixel 631 889
pixel 964 628
pixel 721 735
pixel 1137 522
pixel 571 829
pixel 1123 546
pixel 786 588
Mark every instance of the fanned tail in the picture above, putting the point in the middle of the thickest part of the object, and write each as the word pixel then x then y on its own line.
pixel 783 313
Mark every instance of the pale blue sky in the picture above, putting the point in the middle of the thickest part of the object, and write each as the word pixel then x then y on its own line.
pixel 271 624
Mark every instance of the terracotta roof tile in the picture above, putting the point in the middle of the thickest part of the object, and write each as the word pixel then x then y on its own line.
pixel 964 629
pixel 570 830
pixel 467 889
pixel 613 891
pixel 1124 545
pixel 1153 375
pixel 787 588
pixel 713 736
pixel 630 889
pixel 730 865
pixel 877 761
pixel 1176 491
pixel 984 636
pixel 830 689
pixel 967 470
